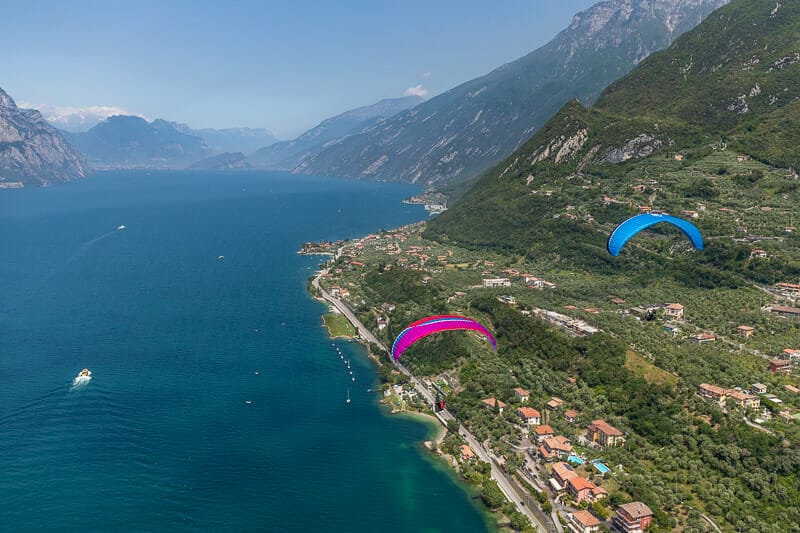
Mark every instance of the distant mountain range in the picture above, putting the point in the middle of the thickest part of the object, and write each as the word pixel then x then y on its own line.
pixel 82 119
pixel 125 141
pixel 133 142
pixel 224 161
pixel 246 140
pixel 32 152
pixel 76 119
pixel 465 130
pixel 446 140
pixel 286 155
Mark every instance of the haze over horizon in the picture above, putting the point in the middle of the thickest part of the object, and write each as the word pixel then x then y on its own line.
pixel 275 66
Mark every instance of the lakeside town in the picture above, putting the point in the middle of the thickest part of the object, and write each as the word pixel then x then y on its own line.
pixel 567 463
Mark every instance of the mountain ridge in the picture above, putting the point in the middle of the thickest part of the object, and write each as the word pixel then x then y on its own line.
pixel 286 155
pixel 464 131
pixel 124 141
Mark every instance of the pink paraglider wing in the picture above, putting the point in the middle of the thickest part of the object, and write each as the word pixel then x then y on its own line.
pixel 432 325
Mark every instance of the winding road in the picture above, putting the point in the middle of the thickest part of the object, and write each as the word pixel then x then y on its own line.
pixel 444 416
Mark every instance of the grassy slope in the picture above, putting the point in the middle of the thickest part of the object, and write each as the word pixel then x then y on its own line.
pixel 338 326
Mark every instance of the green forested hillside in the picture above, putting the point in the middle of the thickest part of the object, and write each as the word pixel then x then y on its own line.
pixel 728 86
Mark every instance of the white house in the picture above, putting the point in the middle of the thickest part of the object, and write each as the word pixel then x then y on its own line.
pixel 529 415
pixel 493 283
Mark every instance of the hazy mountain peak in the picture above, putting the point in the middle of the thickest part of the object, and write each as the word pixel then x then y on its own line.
pixel 6 100
pixel 611 23
pixel 125 141
pixel 288 154
pixel 77 118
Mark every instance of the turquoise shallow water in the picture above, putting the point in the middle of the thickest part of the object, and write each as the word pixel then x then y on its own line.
pixel 162 437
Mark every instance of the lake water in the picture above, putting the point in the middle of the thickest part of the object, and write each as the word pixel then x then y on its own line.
pixel 217 401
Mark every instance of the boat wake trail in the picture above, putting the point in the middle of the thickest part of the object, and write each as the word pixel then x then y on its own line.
pixel 80 383
pixel 35 405
pixel 83 248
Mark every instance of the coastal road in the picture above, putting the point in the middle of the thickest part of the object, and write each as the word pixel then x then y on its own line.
pixel 340 306
pixel 444 416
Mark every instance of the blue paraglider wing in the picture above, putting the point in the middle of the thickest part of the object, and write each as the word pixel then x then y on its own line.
pixel 634 225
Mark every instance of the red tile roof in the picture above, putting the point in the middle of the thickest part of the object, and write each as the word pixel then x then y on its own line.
pixel 529 412
pixel 544 452
pixel 585 518
pixel 606 428
pixel 564 471
pixel 581 483
pixel 713 389
pixel 544 429
pixel 555 403
pixel 636 510
pixel 559 443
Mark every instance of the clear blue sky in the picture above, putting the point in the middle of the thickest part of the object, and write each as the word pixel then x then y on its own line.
pixel 280 65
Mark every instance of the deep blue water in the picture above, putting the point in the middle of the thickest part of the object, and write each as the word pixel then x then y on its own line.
pixel 162 438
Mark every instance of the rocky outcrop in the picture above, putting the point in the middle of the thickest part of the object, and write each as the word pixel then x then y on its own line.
pixel 32 152
pixel 642 145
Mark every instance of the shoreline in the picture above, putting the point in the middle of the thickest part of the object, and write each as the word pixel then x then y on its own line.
pixel 364 337
pixel 439 432
pixel 330 331
pixel 357 339
pixel 448 465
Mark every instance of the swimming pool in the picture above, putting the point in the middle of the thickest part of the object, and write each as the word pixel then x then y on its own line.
pixel 575 459
pixel 603 469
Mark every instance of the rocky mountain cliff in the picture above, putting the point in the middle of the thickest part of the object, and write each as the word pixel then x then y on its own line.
pixel 286 155
pixel 464 131
pixel 33 153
